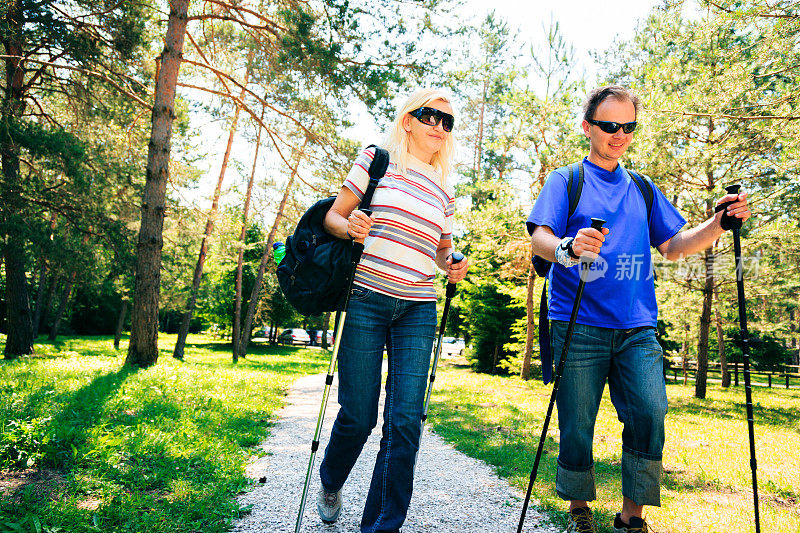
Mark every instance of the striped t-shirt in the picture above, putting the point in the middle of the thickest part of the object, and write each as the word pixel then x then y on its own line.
pixel 413 214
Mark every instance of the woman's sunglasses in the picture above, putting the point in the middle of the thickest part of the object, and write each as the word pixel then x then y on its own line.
pixel 613 127
pixel 431 117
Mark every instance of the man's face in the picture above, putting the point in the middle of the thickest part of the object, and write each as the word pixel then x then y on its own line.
pixel 610 146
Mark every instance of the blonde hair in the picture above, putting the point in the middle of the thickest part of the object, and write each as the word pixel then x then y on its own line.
pixel 396 141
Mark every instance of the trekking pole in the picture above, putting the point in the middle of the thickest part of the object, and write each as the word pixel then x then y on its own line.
pixel 734 224
pixel 597 223
pixel 355 257
pixel 450 291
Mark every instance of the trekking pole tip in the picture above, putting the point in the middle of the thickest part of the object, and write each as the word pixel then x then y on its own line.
pixel 597 223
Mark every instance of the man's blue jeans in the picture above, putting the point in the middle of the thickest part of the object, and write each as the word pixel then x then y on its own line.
pixel 407 329
pixel 632 360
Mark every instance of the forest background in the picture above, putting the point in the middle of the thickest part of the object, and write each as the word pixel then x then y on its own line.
pixel 108 223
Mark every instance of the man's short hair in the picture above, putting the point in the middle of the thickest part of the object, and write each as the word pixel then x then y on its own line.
pixel 597 96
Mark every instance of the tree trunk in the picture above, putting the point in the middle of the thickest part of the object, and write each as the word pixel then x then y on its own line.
pixel 476 165
pixel 120 323
pixel 526 360
pixel 723 359
pixel 705 325
pixel 143 346
pixel 796 356
pixel 37 315
pixel 685 351
pixel 180 343
pixel 62 306
pixel 19 340
pixel 51 296
pixel 65 299
pixel 237 302
pixel 265 257
pixel 41 290
pixel 495 357
pixel 326 322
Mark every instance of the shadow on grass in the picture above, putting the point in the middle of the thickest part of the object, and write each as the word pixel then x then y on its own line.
pixel 254 348
pixel 286 360
pixel 680 481
pixel 90 346
pixel 511 445
pixel 511 448
pixel 220 347
pixel 70 428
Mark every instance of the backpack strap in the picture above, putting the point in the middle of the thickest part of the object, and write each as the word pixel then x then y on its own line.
pixel 377 169
pixel 545 352
pixel 574 186
pixel 645 185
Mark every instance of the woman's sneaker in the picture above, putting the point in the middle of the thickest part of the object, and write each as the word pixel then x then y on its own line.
pixel 637 525
pixel 581 521
pixel 329 505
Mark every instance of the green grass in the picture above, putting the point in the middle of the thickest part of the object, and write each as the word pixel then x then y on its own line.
pixel 109 448
pixel 106 448
pixel 707 484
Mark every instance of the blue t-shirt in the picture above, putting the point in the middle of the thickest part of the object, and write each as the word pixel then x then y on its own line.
pixel 619 292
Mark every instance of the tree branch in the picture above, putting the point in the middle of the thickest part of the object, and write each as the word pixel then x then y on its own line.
pixel 781 71
pixel 236 20
pixel 731 117
pixel 762 15
pixel 245 90
pixel 88 72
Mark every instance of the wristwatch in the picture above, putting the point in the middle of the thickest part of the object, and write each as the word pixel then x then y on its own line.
pixel 565 255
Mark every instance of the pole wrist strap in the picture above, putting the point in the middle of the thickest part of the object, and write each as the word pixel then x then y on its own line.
pixel 562 253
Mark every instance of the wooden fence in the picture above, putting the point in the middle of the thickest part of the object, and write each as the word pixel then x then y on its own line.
pixel 788 377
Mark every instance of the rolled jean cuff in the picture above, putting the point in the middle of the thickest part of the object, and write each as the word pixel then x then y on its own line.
pixel 641 479
pixel 574 484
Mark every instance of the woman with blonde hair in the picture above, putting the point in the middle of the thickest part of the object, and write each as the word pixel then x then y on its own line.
pixel 392 305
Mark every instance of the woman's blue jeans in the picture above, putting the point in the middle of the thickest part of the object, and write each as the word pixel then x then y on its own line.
pixel 632 360
pixel 407 329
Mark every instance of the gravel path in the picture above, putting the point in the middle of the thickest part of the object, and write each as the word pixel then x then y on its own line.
pixel 452 492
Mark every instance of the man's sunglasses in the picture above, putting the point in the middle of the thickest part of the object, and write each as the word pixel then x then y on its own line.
pixel 431 117
pixel 613 127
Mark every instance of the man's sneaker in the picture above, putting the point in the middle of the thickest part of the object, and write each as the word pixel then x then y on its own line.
pixel 329 505
pixel 581 521
pixel 637 525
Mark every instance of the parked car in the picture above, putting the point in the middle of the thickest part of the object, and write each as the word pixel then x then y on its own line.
pixel 312 335
pixel 261 332
pixel 319 337
pixel 452 346
pixel 294 336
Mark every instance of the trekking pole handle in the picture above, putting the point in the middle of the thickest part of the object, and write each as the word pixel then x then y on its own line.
pixel 597 223
pixel 359 244
pixel 456 257
pixel 729 222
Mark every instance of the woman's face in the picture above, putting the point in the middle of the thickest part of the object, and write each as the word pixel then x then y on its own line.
pixel 424 140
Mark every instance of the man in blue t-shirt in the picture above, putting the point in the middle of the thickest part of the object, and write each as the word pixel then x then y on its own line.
pixel 614 335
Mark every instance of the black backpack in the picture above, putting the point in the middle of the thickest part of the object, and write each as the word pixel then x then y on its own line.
pixel 314 273
pixel 542 265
